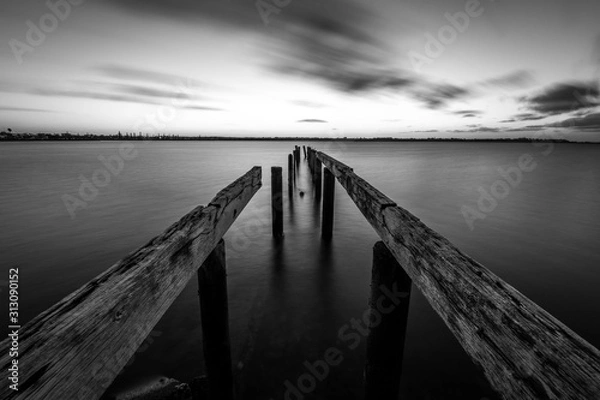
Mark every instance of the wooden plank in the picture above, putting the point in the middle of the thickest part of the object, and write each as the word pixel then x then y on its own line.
pixel 76 348
pixel 524 351
pixel 214 306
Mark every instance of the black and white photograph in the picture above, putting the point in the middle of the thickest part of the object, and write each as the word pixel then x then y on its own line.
pixel 300 199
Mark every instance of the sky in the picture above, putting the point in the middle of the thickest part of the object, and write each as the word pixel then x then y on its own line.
pixel 331 68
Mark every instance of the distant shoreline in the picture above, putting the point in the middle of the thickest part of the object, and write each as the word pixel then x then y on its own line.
pixel 64 137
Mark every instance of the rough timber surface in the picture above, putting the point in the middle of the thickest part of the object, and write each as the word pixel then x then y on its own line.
pixel 77 347
pixel 524 351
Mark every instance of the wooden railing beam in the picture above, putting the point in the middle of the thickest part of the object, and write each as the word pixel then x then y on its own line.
pixel 76 348
pixel 524 351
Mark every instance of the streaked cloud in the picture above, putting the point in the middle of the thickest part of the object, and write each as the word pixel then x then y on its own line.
pixel 589 122
pixel 313 121
pixel 564 97
pixel 517 79
pixel 23 109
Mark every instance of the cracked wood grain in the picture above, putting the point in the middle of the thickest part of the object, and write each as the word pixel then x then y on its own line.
pixel 77 347
pixel 524 352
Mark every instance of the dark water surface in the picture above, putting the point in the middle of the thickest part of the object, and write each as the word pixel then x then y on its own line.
pixel 289 301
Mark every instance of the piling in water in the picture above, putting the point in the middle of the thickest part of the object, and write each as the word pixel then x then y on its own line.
pixel 277 201
pixel 328 200
pixel 290 171
pixel 390 298
pixel 212 290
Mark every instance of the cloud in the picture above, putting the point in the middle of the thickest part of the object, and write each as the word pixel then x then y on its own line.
pixel 516 79
pixel 564 97
pixel 467 113
pixel 133 85
pixel 436 96
pixel 331 44
pixel 236 14
pixel 24 109
pixel 528 128
pixel 588 122
pixel 126 73
pixel 477 128
pixel 312 120
pixel 463 112
pixel 93 95
pixel 127 93
pixel 524 117
pixel 529 117
pixel 485 129
pixel 202 108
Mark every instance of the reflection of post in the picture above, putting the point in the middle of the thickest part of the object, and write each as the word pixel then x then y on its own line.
pixel 277 201
pixel 390 298
pixel 212 285
pixel 328 199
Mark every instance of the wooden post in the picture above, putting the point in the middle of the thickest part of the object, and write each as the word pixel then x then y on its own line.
pixel 390 298
pixel 328 199
pixel 212 290
pixel 290 171
pixel 277 201
pixel 318 176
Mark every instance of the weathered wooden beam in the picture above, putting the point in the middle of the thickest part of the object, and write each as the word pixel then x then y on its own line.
pixel 387 325
pixel 328 201
pixel 524 351
pixel 277 201
pixel 76 348
pixel 212 290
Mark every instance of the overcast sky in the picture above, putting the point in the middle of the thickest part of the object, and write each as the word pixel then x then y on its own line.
pixel 411 68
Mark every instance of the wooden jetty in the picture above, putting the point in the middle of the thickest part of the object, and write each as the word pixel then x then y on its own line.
pixel 76 348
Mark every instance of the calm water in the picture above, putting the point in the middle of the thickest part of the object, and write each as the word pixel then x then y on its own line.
pixel 288 302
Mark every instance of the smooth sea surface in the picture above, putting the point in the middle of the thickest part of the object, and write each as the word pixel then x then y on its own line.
pixel 288 301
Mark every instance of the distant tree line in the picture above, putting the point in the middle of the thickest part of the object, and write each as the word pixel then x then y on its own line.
pixel 9 135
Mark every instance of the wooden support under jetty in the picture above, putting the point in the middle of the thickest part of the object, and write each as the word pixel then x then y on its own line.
pixel 212 290
pixel 328 202
pixel 525 352
pixel 290 171
pixel 387 327
pixel 277 201
pixel 318 179
pixel 76 348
